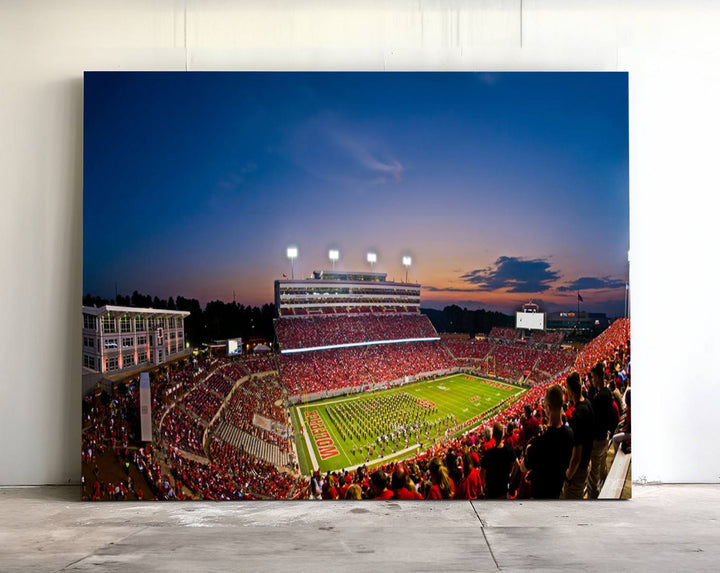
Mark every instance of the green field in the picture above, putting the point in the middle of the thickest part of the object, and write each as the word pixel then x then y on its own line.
pixel 429 411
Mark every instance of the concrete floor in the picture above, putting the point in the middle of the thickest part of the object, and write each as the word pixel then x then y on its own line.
pixel 663 528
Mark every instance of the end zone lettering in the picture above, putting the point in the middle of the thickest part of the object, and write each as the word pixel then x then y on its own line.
pixel 325 444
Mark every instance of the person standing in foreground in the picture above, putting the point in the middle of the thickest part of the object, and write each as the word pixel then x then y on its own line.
pixel 582 424
pixel 548 455
pixel 606 420
pixel 496 465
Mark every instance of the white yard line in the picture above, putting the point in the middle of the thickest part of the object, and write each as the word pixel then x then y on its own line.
pixel 311 453
pixel 383 460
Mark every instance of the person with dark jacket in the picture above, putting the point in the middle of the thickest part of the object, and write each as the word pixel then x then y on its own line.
pixel 548 456
pixel 582 423
pixel 606 420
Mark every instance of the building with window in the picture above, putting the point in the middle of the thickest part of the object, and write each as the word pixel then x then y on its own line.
pixel 338 292
pixel 117 338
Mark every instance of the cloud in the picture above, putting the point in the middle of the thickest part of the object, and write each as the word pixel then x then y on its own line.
pixel 514 274
pixel 362 152
pixel 330 150
pixel 592 283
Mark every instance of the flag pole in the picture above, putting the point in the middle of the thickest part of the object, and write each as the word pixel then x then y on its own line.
pixel 577 316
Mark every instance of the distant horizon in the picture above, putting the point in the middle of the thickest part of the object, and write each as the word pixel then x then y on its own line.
pixel 502 187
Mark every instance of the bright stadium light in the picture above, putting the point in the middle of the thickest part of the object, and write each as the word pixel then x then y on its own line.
pixel 372 259
pixel 292 253
pixel 407 261
pixel 334 255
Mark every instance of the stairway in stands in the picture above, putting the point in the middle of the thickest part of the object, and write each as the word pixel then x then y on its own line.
pixel 250 444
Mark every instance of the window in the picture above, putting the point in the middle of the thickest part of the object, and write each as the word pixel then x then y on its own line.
pixel 127 342
pixel 125 324
pixel 108 324
pixel 152 323
pixel 88 341
pixel 110 343
pixel 173 348
pixel 89 321
pixel 139 323
pixel 128 360
pixel 142 358
pixel 173 336
pixel 89 361
pixel 142 340
pixel 111 363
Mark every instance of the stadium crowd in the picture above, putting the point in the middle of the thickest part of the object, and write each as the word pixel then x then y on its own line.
pixel 315 331
pixel 551 443
pixel 318 371
pixel 258 395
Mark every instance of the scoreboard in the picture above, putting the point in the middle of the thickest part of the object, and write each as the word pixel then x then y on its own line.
pixel 530 320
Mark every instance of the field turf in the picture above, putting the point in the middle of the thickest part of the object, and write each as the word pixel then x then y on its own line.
pixel 337 425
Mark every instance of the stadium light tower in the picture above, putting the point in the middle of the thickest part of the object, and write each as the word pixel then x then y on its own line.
pixel 407 261
pixel 372 259
pixel 292 253
pixel 334 255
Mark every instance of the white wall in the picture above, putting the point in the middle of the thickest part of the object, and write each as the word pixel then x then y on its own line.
pixel 671 50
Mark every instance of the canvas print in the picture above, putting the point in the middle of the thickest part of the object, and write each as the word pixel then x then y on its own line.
pixel 330 286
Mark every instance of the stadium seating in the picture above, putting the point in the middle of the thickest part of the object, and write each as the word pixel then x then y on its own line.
pixel 310 372
pixel 329 330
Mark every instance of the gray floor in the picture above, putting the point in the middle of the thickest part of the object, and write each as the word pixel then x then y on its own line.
pixel 663 528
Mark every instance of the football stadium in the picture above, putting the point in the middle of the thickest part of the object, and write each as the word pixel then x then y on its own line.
pixel 358 397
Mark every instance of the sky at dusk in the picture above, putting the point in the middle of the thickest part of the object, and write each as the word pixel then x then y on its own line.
pixel 503 187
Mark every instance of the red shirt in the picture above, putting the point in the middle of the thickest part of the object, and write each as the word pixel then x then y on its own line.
pixel 435 493
pixel 470 485
pixel 387 494
pixel 405 493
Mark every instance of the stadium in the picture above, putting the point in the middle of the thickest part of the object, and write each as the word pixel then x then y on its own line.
pixel 359 389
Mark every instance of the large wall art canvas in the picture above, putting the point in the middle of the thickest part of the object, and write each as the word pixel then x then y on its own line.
pixel 323 286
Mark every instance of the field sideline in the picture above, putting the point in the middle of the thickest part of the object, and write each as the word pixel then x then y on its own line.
pixel 459 395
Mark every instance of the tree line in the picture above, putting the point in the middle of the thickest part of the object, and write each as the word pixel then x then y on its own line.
pixel 220 320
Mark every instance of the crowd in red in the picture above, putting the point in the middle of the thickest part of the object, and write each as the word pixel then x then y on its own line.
pixel 454 468
pixel 310 372
pixel 232 474
pixel 258 395
pixel 180 430
pixel 315 331
pixel 506 333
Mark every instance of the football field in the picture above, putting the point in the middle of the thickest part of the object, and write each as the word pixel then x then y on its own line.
pixel 393 424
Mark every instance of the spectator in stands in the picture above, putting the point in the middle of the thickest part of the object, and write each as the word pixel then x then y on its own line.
pixel 496 465
pixel 548 456
pixel 622 438
pixel 530 425
pixel 353 492
pixel 442 486
pixel 470 486
pixel 606 420
pixel 582 424
pixel 379 484
pixel 400 487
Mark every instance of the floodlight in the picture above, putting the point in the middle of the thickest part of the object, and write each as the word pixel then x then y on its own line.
pixel 334 255
pixel 292 253
pixel 407 261
pixel 371 258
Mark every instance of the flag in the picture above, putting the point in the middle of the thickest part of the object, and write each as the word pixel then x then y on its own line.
pixel 284 276
pixel 580 299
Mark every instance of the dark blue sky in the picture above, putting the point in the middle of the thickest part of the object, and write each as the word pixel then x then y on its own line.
pixel 503 187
